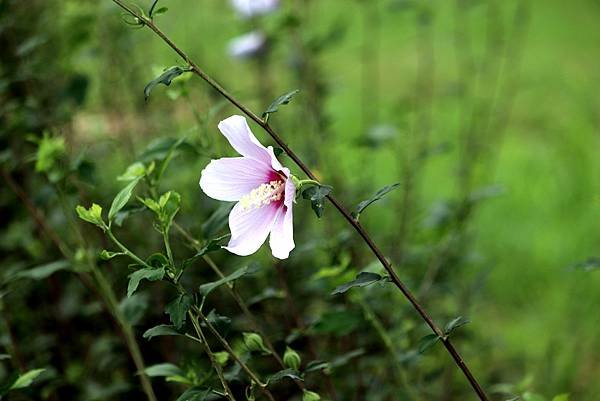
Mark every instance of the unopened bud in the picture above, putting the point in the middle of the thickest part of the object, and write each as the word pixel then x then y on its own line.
pixel 254 342
pixel 310 396
pixel 291 359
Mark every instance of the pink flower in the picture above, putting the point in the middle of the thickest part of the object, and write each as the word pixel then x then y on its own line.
pixel 251 8
pixel 262 188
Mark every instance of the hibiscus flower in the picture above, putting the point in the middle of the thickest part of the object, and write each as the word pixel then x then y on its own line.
pixel 261 186
pixel 251 8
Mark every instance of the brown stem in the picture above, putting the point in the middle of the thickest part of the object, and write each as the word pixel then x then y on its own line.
pixel 355 224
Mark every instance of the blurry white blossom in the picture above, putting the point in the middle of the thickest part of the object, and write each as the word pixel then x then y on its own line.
pixel 251 8
pixel 247 45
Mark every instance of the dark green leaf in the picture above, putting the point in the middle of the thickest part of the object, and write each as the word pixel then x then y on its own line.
pixel 207 288
pixel 339 323
pixel 282 374
pixel 161 330
pixel 345 358
pixel 588 265
pixel 121 199
pixel 283 99
pixel 199 394
pixel 427 342
pixel 150 274
pixel 455 324
pixel 134 307
pixel 44 271
pixel 362 280
pixel 210 246
pixel 161 10
pixel 164 369
pixel 317 194
pixel 313 366
pixel 217 221
pixel 165 78
pixel 378 195
pixel 178 309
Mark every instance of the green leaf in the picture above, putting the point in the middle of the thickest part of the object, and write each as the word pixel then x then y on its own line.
pixel 455 324
pixel 92 215
pixel 217 221
pixel 210 246
pixel 313 366
pixel 282 374
pixel 588 265
pixel 362 280
pixel 317 194
pixel 561 397
pixel 378 195
pixel 160 330
pixel 427 342
pixel 178 309
pixel 165 78
pixel 44 271
pixel 164 369
pixel 198 394
pixel 134 307
pixel 281 100
pixel 161 10
pixel 150 274
pixel 121 199
pixel 135 170
pixel 26 379
pixel 207 288
pixel 107 255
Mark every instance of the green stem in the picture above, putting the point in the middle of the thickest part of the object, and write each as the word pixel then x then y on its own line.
pixel 126 250
pixel 211 356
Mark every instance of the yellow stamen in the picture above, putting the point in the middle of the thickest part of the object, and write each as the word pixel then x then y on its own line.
pixel 263 195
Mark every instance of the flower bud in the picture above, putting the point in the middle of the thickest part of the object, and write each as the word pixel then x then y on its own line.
pixel 254 342
pixel 291 359
pixel 310 396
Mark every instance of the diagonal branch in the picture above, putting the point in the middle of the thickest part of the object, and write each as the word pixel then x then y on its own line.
pixel 143 20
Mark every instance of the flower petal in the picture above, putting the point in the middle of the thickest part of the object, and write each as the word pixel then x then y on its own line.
pixel 250 228
pixel 237 132
pixel 281 240
pixel 230 178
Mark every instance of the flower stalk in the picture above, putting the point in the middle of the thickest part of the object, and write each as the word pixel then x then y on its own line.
pixel 338 206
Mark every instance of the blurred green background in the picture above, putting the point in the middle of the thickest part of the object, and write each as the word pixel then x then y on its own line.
pixel 486 112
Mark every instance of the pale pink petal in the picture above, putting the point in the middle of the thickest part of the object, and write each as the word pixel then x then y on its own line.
pixel 281 240
pixel 250 228
pixel 230 178
pixel 275 163
pixel 237 132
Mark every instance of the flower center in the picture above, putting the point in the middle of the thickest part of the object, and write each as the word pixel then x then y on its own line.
pixel 263 195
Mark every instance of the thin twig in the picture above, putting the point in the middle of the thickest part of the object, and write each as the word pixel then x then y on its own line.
pixel 355 224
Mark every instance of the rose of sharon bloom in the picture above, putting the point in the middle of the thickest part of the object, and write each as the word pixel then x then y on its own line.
pixel 247 45
pixel 251 8
pixel 262 188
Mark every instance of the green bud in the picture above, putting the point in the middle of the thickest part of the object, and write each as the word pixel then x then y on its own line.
pixel 310 396
pixel 254 342
pixel 222 357
pixel 291 359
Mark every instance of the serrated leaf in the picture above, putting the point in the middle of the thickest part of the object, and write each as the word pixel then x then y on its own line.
pixel 207 288
pixel 92 215
pixel 44 271
pixel 281 100
pixel 165 78
pixel 160 330
pixel 317 194
pixel 178 308
pixel 455 323
pixel 427 342
pixel 150 274
pixel 378 195
pixel 283 374
pixel 122 198
pixel 164 369
pixel 26 379
pixel 362 280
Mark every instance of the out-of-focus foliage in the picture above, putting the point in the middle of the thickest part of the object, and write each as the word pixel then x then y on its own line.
pixel 485 112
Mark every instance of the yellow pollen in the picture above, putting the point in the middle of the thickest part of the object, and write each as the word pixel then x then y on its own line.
pixel 263 195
